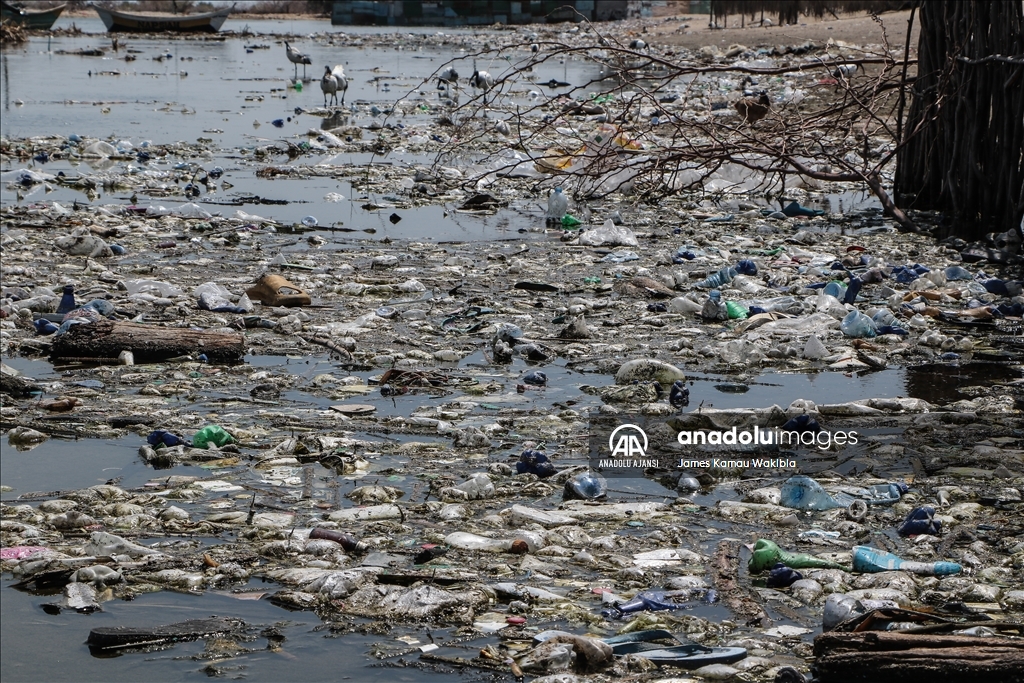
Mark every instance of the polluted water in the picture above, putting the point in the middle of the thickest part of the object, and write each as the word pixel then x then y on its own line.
pixel 422 381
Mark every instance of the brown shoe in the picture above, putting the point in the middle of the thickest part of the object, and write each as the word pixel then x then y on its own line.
pixel 274 290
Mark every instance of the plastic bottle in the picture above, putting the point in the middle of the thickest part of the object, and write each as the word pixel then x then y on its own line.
pixel 714 308
pixel 347 541
pixel 873 560
pixel 957 273
pixel 836 289
pixel 735 310
pixel 464 540
pixel 67 300
pixel 852 290
pixel 558 204
pixel 858 326
pixel 645 601
pixel 883 317
pixel 159 438
pixel 477 487
pixel 569 222
pixel 715 280
pixel 840 607
pixel 681 304
pixel 803 493
pixel 214 434
pixel 766 555
pixel 679 395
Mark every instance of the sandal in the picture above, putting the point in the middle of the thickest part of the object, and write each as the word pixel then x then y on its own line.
pixel 686 654
pixel 274 290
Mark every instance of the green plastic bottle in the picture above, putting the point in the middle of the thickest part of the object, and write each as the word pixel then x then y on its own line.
pixel 767 555
pixel 298 86
pixel 736 312
pixel 569 222
pixel 214 434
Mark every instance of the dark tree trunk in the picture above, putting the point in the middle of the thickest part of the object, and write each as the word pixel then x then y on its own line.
pixel 964 153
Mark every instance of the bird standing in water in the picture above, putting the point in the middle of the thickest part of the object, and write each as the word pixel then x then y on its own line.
pixel 296 58
pixel 333 81
pixel 482 80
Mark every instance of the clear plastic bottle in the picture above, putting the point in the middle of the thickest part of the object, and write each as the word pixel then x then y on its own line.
pixel 558 204
pixel 722 277
pixel 714 308
pixel 803 493
pixel 858 326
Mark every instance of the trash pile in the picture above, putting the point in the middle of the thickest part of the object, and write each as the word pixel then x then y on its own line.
pixel 436 474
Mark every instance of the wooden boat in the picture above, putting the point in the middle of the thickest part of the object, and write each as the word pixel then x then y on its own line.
pixel 41 18
pixel 209 22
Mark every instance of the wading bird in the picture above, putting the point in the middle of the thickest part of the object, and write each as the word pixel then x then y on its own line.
pixel 447 78
pixel 753 110
pixel 296 58
pixel 333 81
pixel 482 80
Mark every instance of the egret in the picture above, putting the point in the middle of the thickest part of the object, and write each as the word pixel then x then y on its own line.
pixel 753 110
pixel 333 81
pixel 482 80
pixel 296 58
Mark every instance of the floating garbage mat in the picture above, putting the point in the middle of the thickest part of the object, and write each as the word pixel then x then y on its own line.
pixel 454 378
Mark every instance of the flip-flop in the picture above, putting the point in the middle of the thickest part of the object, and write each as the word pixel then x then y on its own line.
pixel 274 290
pixel 686 655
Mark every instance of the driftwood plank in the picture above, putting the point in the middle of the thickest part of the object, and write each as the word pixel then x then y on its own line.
pixel 148 343
pixel 110 637
pixel 916 658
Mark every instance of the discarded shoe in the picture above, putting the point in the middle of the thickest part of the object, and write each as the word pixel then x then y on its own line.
pixel 684 654
pixel 274 290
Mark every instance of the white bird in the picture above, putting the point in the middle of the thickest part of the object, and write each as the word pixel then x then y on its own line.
pixel 296 58
pixel 482 80
pixel 333 81
pixel 447 77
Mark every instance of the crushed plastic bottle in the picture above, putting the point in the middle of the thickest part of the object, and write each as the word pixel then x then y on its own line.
pixel 585 486
pixel 714 308
pixel 746 267
pixel 716 280
pixel 160 438
pixel 858 326
pixel 736 311
pixel 570 222
pixel 803 493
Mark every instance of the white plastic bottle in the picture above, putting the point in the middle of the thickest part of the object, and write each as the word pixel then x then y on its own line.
pixel 558 204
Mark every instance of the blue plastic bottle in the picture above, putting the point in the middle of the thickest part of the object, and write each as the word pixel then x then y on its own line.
pixel 873 560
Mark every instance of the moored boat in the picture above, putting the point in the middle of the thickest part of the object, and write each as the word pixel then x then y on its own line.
pixel 116 21
pixel 42 18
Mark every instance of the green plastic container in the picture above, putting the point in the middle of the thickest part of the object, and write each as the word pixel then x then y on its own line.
pixel 736 312
pixel 570 222
pixel 767 555
pixel 211 434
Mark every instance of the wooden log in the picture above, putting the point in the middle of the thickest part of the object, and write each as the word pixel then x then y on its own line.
pixel 916 658
pixel 148 343
pixel 111 637
pixel 725 574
